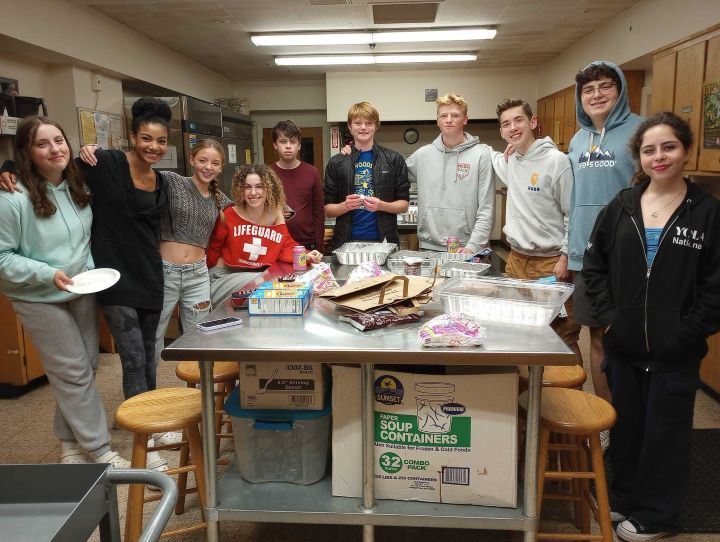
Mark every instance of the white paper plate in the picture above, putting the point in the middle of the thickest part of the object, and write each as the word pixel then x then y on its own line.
pixel 95 280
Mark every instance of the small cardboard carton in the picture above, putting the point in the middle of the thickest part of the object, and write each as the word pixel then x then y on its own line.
pixel 279 302
pixel 438 438
pixel 286 386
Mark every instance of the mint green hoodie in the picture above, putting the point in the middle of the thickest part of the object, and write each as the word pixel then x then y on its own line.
pixel 33 249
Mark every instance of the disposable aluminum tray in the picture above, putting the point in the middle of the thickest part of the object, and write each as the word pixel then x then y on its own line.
pixel 396 262
pixel 463 269
pixel 503 300
pixel 444 257
pixel 356 253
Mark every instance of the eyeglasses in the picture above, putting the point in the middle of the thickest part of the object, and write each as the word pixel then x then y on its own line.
pixel 602 88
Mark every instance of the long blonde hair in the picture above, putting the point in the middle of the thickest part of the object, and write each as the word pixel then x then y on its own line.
pixel 212 144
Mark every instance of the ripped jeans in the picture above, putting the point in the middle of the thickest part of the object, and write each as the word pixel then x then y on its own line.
pixel 186 285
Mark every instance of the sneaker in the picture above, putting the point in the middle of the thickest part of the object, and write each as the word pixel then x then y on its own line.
pixel 604 440
pixel 632 531
pixel 173 438
pixel 156 462
pixel 617 517
pixel 72 454
pixel 114 460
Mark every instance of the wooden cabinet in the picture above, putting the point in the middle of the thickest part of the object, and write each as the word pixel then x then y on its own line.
pixel 710 367
pixel 680 72
pixel 19 360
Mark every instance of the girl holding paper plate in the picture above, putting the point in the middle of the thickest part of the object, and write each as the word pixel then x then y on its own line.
pixel 44 240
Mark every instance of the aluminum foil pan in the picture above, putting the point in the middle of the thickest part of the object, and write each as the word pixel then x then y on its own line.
pixel 445 257
pixel 355 253
pixel 463 269
pixel 396 262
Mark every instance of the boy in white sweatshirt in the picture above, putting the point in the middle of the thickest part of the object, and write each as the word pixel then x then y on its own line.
pixel 539 180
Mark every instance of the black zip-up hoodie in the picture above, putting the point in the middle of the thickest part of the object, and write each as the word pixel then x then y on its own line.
pixel 659 316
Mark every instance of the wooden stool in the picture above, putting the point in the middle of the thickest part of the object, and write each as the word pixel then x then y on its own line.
pixel 158 411
pixel 225 374
pixel 580 415
pixel 569 376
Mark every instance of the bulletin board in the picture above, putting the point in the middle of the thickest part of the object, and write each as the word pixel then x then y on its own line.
pixel 103 129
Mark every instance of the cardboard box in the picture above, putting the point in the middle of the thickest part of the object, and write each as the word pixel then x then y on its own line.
pixel 438 438
pixel 282 385
pixel 8 125
pixel 279 302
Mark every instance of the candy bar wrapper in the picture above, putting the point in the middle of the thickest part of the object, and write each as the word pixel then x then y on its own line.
pixel 365 270
pixel 365 321
pixel 321 277
pixel 455 329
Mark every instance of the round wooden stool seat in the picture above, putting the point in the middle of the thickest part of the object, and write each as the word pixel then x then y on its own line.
pixel 572 412
pixel 571 376
pixel 156 411
pixel 223 371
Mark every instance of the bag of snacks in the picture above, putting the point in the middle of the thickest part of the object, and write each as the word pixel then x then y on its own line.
pixel 455 329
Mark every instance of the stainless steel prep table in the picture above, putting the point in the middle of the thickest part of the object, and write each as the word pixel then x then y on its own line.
pixel 319 337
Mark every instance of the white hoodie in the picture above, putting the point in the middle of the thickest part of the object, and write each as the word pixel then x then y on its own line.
pixel 456 193
pixel 538 201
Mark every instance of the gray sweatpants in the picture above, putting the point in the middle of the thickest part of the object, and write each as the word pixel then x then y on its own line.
pixel 66 336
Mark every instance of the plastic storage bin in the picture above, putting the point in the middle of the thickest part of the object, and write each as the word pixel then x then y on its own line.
pixel 279 445
pixel 504 300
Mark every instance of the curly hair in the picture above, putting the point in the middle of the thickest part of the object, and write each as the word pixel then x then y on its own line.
pixel 595 71
pixel 274 193
pixel 150 111
pixel 680 128
pixel 35 183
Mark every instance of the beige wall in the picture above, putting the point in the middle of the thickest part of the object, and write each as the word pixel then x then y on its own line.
pixel 645 27
pixel 400 95
pixel 291 95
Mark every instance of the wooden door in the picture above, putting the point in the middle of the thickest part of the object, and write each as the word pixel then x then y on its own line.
pixel 540 113
pixel 710 367
pixel 688 92
pixel 635 80
pixel 709 159
pixel 570 120
pixel 663 86
pixel 12 350
pixel 558 121
pixel 311 150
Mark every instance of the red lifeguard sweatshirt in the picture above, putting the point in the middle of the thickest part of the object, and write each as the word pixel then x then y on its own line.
pixel 245 244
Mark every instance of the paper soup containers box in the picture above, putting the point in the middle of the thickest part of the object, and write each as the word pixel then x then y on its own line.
pixel 438 438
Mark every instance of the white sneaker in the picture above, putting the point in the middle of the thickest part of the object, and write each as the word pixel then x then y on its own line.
pixel 72 454
pixel 156 462
pixel 114 460
pixel 632 531
pixel 604 440
pixel 170 438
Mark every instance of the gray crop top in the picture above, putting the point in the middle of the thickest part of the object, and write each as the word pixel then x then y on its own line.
pixel 190 217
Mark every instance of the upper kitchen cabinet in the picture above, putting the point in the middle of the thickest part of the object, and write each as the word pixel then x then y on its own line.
pixel 681 73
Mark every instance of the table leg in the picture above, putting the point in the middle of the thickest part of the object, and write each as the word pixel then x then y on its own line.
pixel 368 440
pixel 532 432
pixel 207 388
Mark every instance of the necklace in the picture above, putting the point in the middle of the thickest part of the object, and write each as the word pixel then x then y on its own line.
pixel 654 213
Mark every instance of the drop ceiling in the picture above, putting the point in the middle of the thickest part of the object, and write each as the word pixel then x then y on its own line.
pixel 216 33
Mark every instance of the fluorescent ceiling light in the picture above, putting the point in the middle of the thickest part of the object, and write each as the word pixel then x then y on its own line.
pixel 366 38
pixel 334 60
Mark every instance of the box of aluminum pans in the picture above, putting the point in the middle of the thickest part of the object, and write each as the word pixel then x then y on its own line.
pixel 503 300
pixel 396 263
pixel 463 269
pixel 355 253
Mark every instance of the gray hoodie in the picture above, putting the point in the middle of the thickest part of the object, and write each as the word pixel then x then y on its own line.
pixel 456 193
pixel 538 201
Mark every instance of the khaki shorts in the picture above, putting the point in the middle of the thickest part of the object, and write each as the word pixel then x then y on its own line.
pixel 520 266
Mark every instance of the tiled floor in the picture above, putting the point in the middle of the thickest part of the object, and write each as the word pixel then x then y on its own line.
pixel 26 437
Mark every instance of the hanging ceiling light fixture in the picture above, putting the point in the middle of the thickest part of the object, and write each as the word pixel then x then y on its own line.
pixel 367 38
pixel 402 58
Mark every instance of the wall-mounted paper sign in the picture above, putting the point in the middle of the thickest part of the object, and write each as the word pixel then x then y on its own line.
pixel 232 153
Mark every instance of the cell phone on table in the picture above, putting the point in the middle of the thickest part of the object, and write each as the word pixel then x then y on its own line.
pixel 220 323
